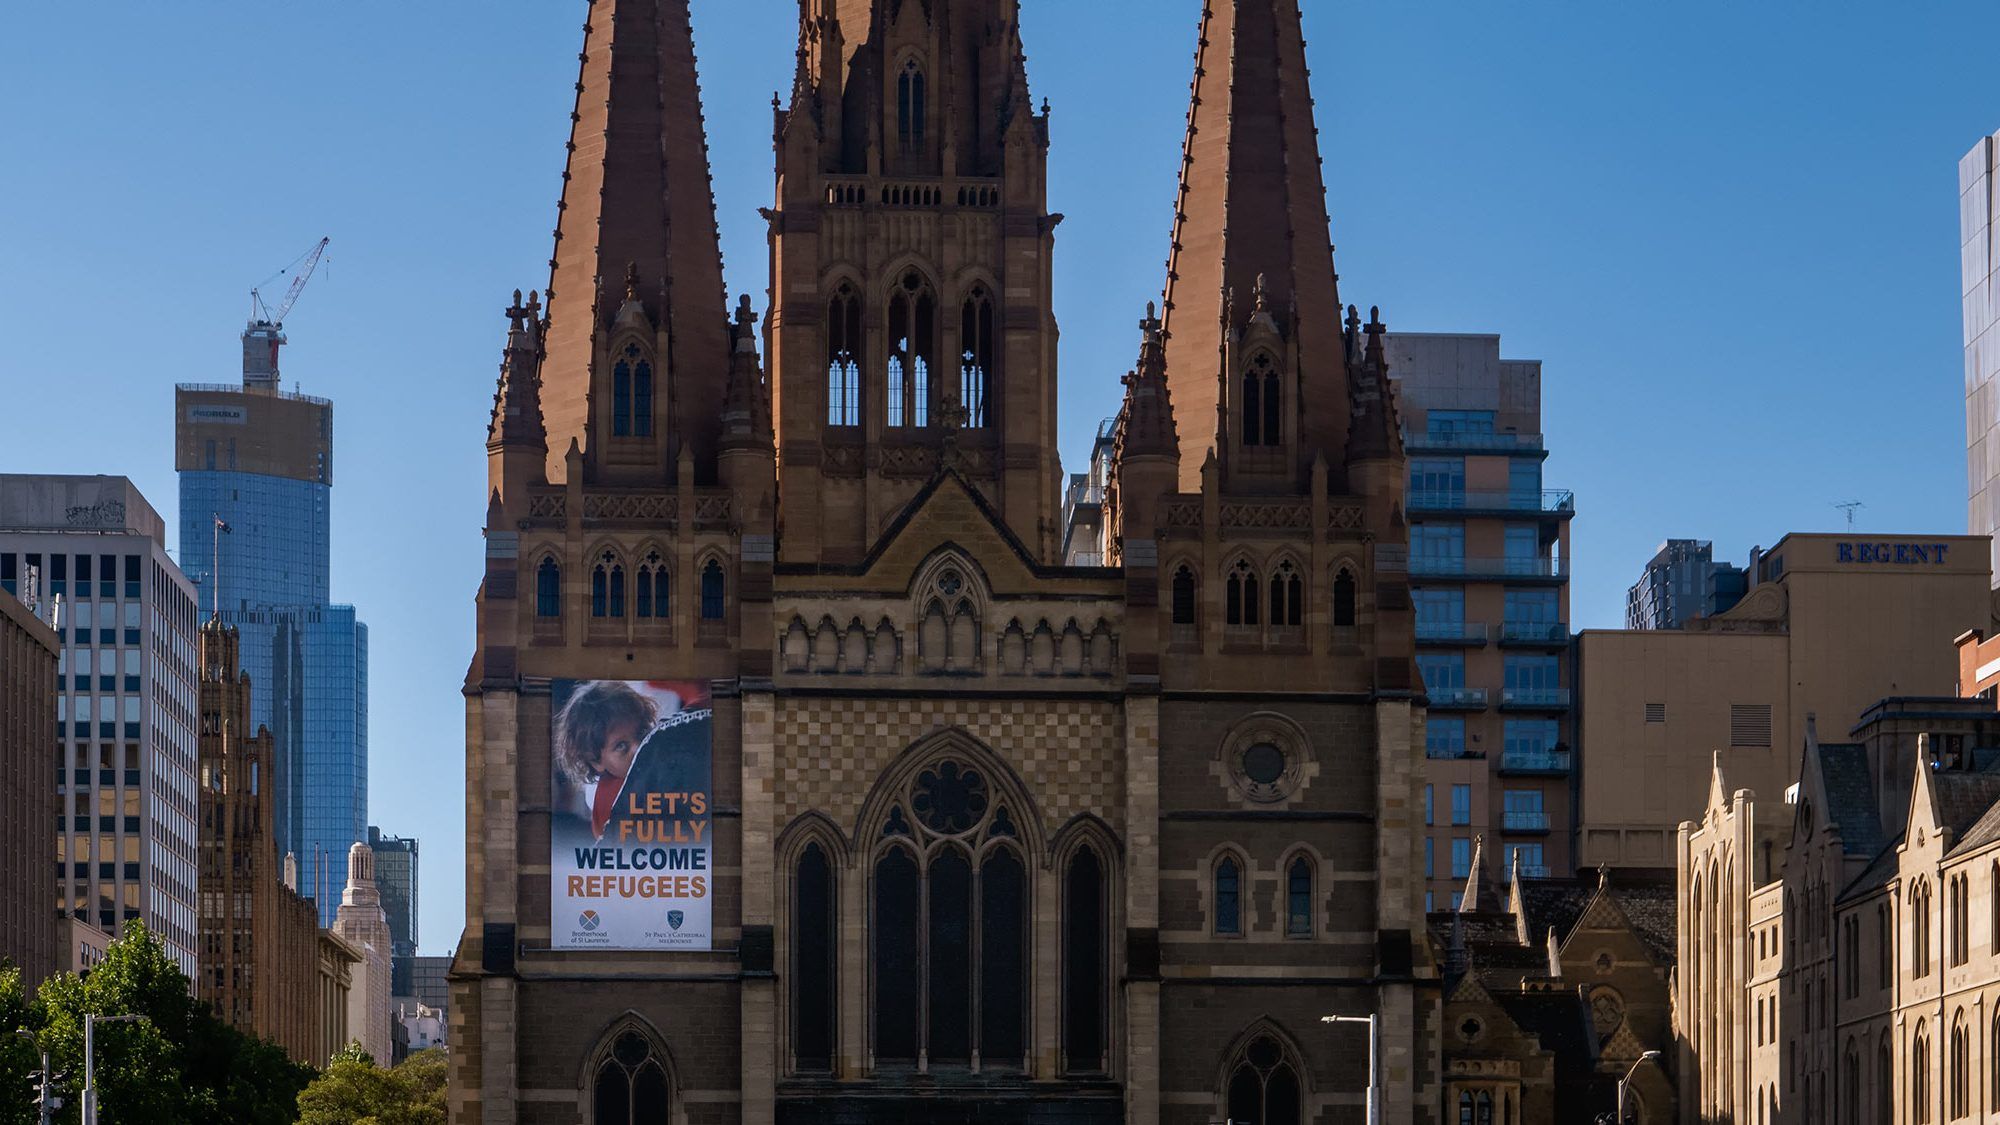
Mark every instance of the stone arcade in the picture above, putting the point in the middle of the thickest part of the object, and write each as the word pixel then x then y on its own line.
pixel 996 839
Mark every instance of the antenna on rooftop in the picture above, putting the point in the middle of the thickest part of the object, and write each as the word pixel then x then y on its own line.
pixel 1850 507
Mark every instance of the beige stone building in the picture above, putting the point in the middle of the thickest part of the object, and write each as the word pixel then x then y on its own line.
pixel 363 925
pixel 996 838
pixel 1851 972
pixel 1831 624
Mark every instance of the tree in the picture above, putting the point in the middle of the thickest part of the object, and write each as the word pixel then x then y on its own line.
pixel 180 1065
pixel 354 1091
pixel 19 1058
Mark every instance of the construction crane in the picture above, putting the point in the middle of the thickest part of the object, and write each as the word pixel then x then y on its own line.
pixel 266 331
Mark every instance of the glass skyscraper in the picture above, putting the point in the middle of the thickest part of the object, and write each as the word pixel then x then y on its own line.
pixel 256 484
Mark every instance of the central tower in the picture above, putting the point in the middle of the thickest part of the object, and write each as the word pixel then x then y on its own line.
pixel 911 323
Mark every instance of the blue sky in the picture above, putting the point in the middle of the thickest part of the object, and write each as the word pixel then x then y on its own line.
pixel 1728 230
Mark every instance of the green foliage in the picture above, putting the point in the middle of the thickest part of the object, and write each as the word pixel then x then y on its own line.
pixel 354 1091
pixel 179 1065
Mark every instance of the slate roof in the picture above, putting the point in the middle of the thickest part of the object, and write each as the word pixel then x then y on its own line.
pixel 1850 797
pixel 1653 905
pixel 1874 875
pixel 1983 831
pixel 1963 798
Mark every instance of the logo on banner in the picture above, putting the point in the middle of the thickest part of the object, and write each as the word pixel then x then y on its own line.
pixel 674 920
pixel 588 920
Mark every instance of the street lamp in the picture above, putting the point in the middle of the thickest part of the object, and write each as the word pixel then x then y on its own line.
pixel 45 1089
pixel 90 1022
pixel 1374 1064
pixel 1649 1056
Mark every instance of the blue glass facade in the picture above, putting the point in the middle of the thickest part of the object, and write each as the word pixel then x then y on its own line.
pixel 307 659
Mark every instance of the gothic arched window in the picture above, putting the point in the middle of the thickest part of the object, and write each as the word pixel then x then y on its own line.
pixel 1262 399
pixel 1183 596
pixel 548 589
pixel 913 339
pixel 630 1087
pixel 814 938
pixel 976 356
pixel 1298 898
pixel 1920 1077
pixel 1084 1000
pixel 1343 598
pixel 1003 968
pixel 1228 897
pixel 1960 1078
pixel 1287 595
pixel 632 394
pixel 1253 410
pixel 1885 1086
pixel 1264 1088
pixel 607 587
pixel 713 607
pixel 843 358
pixel 950 917
pixel 655 592
pixel 1242 595
pixel 910 108
pixel 621 399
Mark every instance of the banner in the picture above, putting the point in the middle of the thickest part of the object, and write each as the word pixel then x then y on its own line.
pixel 630 829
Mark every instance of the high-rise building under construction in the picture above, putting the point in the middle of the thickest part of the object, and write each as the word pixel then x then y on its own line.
pixel 256 489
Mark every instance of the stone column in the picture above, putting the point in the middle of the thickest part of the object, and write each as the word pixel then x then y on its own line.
pixel 1142 909
pixel 760 879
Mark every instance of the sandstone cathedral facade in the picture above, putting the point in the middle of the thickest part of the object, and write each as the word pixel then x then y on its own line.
pixel 995 838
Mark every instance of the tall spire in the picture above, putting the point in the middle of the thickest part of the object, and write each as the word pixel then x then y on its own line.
pixel 637 218
pixel 1250 230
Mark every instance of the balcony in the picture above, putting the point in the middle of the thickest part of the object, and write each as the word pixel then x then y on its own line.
pixel 1458 442
pixel 1534 871
pixel 1525 820
pixel 1535 634
pixel 1488 568
pixel 1452 754
pixel 1451 633
pixel 1534 763
pixel 1534 699
pixel 1502 502
pixel 1457 699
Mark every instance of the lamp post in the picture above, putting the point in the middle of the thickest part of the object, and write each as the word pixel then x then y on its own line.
pixel 1649 1056
pixel 1374 1061
pixel 90 1022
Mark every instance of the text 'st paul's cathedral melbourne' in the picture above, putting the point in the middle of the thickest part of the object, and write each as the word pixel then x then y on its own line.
pixel 807 784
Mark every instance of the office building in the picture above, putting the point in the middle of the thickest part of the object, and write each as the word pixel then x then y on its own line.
pixel 1192 773
pixel 396 880
pixel 1682 582
pixel 256 489
pixel 1489 577
pixel 29 931
pixel 125 708
pixel 1979 288
pixel 1831 625
pixel 260 956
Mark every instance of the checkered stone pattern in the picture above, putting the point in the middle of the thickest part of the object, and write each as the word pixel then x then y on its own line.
pixel 1069 753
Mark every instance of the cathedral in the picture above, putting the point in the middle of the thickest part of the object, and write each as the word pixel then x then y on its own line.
pixel 806 782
